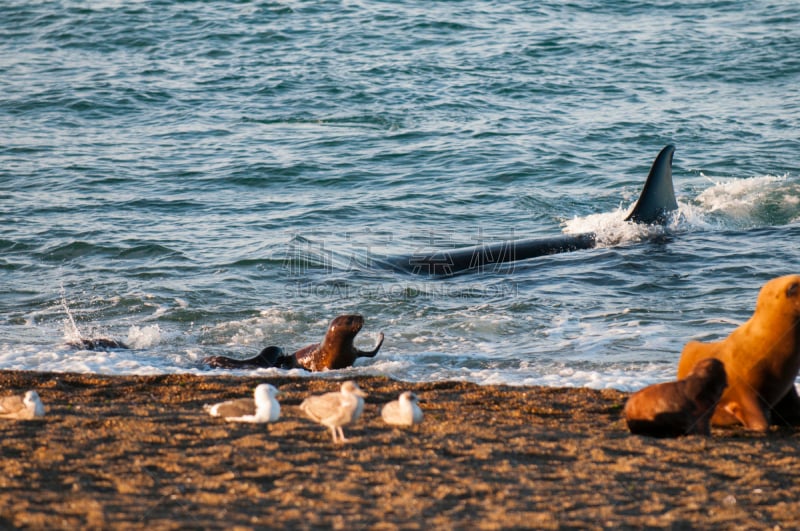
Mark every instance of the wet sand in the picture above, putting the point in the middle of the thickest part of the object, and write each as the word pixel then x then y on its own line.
pixel 139 452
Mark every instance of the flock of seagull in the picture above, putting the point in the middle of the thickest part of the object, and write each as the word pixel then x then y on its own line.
pixel 333 410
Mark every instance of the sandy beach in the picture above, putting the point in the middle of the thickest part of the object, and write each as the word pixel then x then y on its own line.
pixel 131 452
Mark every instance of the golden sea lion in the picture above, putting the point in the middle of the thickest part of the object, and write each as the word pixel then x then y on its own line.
pixel 761 357
pixel 672 409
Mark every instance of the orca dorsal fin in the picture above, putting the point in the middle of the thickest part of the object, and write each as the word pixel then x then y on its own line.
pixel 658 197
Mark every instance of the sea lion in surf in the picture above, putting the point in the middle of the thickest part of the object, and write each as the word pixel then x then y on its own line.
pixel 762 359
pixel 268 358
pixel 672 409
pixel 336 351
pixel 97 343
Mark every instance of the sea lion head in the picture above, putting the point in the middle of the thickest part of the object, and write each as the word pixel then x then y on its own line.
pixel 340 336
pixel 780 295
pixel 707 380
pixel 346 325
pixel 710 369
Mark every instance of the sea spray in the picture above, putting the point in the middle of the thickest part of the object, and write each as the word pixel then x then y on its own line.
pixel 71 332
pixel 144 337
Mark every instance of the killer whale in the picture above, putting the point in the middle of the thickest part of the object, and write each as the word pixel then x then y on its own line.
pixel 654 205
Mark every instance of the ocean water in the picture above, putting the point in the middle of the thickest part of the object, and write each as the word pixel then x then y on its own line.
pixel 200 178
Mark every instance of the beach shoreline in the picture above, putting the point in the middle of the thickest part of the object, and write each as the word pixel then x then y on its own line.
pixel 133 452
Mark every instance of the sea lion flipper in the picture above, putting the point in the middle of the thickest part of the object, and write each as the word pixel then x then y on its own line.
pixel 749 412
pixel 372 353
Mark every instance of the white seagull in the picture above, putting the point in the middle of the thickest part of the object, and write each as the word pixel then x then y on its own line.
pixel 28 407
pixel 335 410
pixel 402 412
pixel 265 408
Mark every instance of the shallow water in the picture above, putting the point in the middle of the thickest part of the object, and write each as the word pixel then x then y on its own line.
pixel 204 178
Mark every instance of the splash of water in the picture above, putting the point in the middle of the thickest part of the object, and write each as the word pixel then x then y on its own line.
pixel 612 229
pixel 71 331
pixel 729 204
pixel 752 202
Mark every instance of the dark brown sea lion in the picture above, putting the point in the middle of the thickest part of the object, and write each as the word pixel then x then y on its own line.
pixel 762 359
pixel 672 409
pixel 336 351
pixel 268 358
pixel 96 343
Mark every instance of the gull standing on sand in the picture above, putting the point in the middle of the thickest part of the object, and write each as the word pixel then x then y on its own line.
pixel 22 408
pixel 335 410
pixel 402 412
pixel 265 408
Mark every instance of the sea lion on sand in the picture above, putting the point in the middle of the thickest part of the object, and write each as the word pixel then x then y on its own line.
pixel 761 357
pixel 336 351
pixel 672 409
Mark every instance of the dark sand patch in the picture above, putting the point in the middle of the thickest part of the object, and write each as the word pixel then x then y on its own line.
pixel 139 452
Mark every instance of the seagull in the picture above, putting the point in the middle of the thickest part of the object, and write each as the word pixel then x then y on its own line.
pixel 402 412
pixel 28 407
pixel 335 410
pixel 265 408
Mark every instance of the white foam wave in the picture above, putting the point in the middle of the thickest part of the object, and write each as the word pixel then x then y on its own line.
pixel 401 366
pixel 144 337
pixel 755 201
pixel 731 203
pixel 269 327
pixel 611 229
pixel 628 377
pixel 738 196
pixel 90 361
